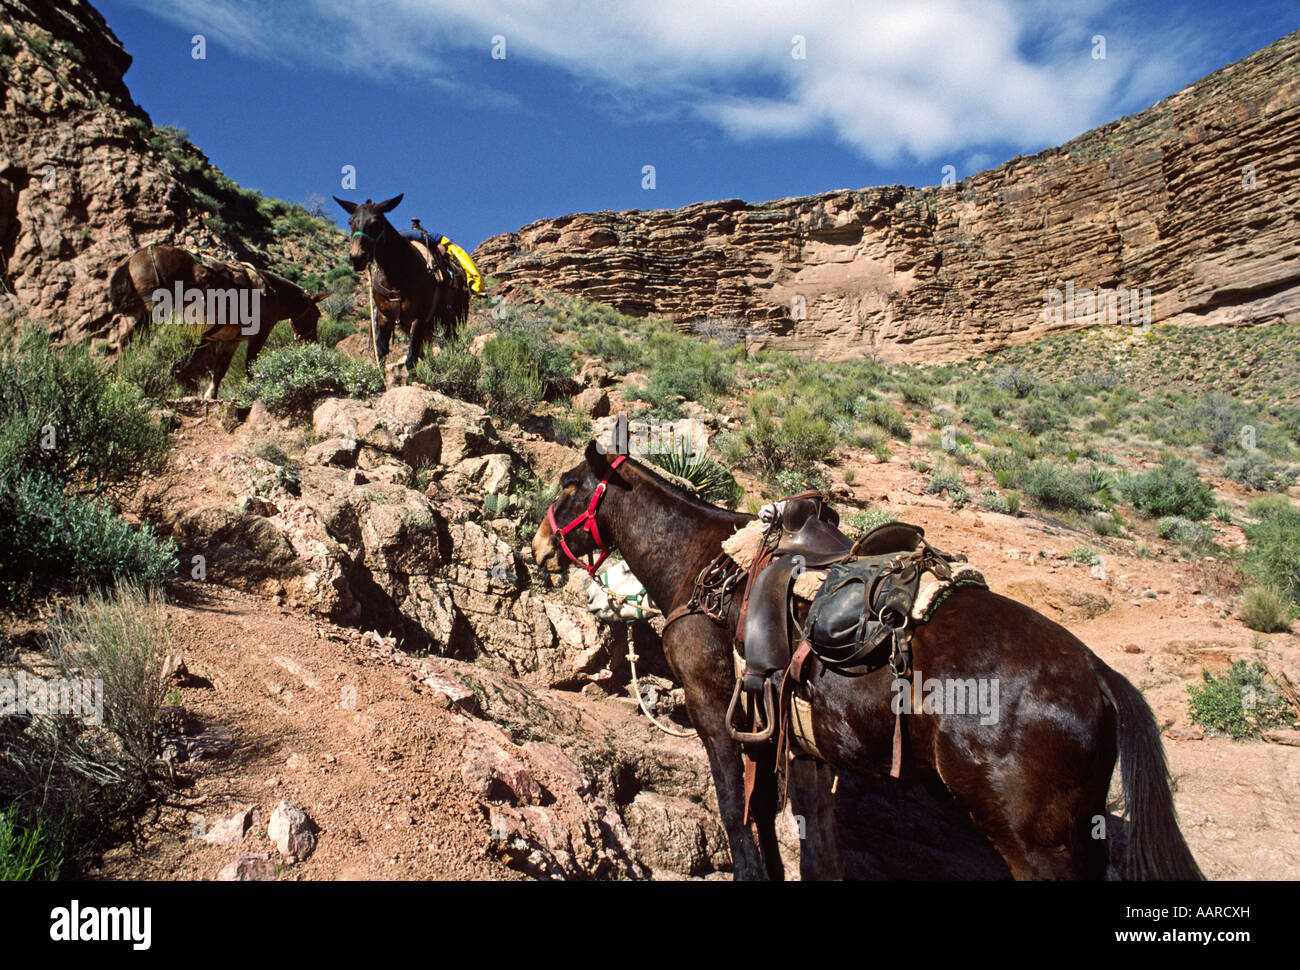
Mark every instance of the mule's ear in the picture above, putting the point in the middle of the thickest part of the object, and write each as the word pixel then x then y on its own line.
pixel 348 207
pixel 317 297
pixel 595 456
pixel 390 205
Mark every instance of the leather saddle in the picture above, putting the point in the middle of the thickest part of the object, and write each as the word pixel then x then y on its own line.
pixel 887 561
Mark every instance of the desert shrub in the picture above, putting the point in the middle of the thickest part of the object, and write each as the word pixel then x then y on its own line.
pixel 1241 704
pixel 291 379
pixel 882 416
pixel 612 349
pixel 68 418
pixel 1185 532
pixel 511 382
pixel 1221 418
pixel 1257 473
pixel 1266 505
pixel 784 436
pixel 572 427
pixel 528 335
pixel 1085 555
pixel 332 329
pixel 860 523
pixel 1038 417
pixel 1054 487
pixel 150 358
pixel 1273 550
pixel 914 393
pixel 949 482
pixel 1007 503
pixel 1172 488
pixel 680 367
pixel 1266 609
pixel 454 370
pixel 1016 380
pixel 88 778
pixel 49 539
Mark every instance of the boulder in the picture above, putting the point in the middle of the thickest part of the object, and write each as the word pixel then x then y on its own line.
pixel 677 835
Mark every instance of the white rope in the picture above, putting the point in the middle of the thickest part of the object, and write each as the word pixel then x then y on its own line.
pixel 632 658
pixel 374 340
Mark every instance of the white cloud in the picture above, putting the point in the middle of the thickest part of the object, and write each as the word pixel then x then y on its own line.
pixel 925 80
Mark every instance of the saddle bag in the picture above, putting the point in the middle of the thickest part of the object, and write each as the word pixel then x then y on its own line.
pixel 860 606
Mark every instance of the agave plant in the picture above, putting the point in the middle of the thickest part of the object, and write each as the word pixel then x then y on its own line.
pixel 711 480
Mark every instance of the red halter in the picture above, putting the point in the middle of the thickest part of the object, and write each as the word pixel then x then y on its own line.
pixel 588 521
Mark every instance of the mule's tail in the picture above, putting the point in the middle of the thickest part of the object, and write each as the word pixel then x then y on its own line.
pixel 1156 848
pixel 122 292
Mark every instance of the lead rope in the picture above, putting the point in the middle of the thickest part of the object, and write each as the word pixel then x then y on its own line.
pixel 632 658
pixel 374 337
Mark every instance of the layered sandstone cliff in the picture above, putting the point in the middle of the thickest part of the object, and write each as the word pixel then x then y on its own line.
pixel 1191 206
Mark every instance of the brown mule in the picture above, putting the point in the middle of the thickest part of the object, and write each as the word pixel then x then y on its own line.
pixel 1033 780
pixel 139 282
pixel 405 292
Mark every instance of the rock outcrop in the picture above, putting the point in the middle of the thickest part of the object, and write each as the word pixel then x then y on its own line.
pixel 86 179
pixel 1190 204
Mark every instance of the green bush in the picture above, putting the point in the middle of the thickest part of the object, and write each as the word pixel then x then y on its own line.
pixel 511 382
pixel 860 523
pixel 1054 487
pixel 1265 609
pixel 1172 488
pixel 52 540
pixel 291 379
pixel 332 329
pixel 884 417
pixel 1241 704
pixel 1007 503
pixel 65 416
pixel 1185 532
pixel 152 356
pixel 572 427
pixel 784 436
pixel 1257 473
pixel 454 370
pixel 1273 550
pixel 681 367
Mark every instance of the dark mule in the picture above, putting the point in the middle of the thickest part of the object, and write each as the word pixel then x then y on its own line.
pixel 1034 781
pixel 137 279
pixel 404 290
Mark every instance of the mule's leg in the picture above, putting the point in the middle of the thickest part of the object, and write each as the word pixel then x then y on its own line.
pixel 700 658
pixel 419 333
pixel 813 807
pixel 224 354
pixel 762 808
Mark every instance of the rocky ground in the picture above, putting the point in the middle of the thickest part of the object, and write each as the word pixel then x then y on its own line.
pixel 501 741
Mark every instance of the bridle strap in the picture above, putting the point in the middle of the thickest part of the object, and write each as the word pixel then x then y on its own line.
pixel 588 522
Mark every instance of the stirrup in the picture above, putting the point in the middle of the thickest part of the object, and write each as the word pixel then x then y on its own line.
pixel 769 719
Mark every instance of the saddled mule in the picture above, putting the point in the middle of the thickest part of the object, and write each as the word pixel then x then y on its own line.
pixel 137 280
pixel 405 291
pixel 1034 782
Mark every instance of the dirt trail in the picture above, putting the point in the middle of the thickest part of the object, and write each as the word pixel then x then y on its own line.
pixel 350 736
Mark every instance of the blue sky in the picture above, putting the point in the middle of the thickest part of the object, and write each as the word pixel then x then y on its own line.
pixel 709 92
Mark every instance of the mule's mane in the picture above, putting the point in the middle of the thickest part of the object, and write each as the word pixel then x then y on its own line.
pixel 675 491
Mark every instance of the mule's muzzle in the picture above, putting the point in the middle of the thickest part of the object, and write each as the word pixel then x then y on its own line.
pixel 546 551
